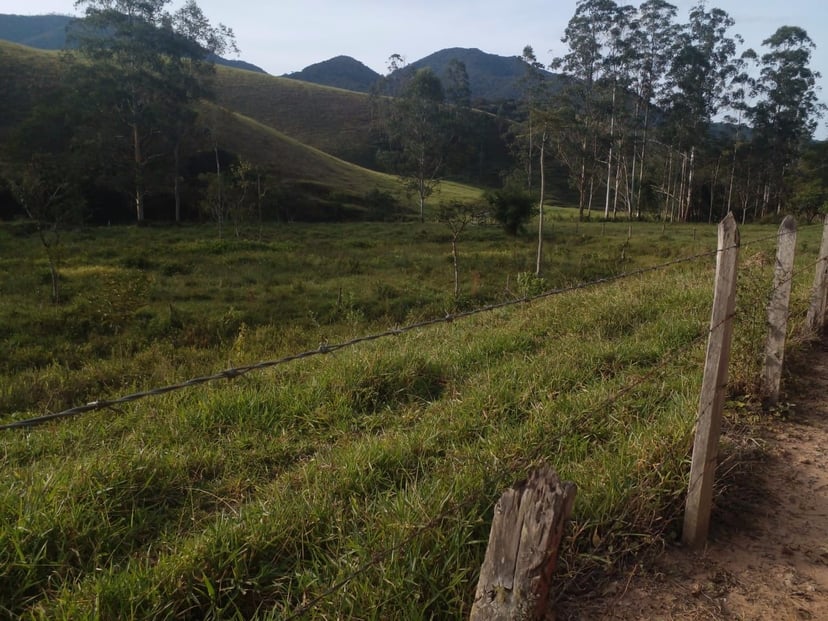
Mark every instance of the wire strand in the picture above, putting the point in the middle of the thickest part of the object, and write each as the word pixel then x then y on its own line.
pixel 325 348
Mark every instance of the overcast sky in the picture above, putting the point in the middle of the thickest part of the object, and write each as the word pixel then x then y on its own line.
pixel 287 35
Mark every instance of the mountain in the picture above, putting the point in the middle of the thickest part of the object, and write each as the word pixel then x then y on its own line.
pixel 48 32
pixel 491 77
pixel 340 72
pixel 44 32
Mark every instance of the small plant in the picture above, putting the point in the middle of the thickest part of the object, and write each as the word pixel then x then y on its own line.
pixel 529 284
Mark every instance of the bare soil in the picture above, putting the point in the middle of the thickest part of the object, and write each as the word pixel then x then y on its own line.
pixel 767 556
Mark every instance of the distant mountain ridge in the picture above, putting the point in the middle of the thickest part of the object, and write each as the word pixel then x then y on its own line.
pixel 492 78
pixel 48 32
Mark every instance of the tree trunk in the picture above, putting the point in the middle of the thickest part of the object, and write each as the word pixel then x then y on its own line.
pixel 540 206
pixel 642 159
pixel 139 174
pixel 456 264
pixel 713 189
pixel 690 171
pixel 177 182
pixel 609 157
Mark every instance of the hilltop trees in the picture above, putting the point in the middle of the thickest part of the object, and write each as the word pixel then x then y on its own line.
pixel 150 64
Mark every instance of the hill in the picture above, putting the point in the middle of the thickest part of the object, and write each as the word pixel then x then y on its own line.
pixel 340 72
pixel 333 120
pixel 491 77
pixel 48 32
pixel 288 128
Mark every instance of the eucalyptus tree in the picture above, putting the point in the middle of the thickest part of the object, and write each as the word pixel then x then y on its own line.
pixel 700 77
pixel 536 133
pixel 587 37
pixel 652 40
pixel 418 136
pixel 617 65
pixel 786 114
pixel 152 63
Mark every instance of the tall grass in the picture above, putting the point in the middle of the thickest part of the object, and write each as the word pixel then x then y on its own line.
pixel 373 470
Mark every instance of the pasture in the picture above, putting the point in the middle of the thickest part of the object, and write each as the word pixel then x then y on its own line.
pixel 360 483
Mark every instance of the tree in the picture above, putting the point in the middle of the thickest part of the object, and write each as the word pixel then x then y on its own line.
pixel 50 162
pixel 418 136
pixel 457 216
pixel 457 89
pixel 653 39
pixel 586 35
pixel 536 95
pixel 810 182
pixel 785 117
pixel 700 78
pixel 50 199
pixel 152 63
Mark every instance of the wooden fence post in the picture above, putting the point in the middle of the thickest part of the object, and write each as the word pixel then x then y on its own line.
pixel 816 312
pixel 714 382
pixel 523 549
pixel 778 311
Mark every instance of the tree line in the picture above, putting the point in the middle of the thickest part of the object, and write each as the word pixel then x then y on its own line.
pixel 665 118
pixel 656 118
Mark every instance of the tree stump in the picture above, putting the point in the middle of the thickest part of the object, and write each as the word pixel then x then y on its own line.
pixel 523 549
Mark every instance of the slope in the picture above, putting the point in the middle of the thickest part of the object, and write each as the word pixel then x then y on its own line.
pixel 333 120
pixel 49 32
pixel 28 75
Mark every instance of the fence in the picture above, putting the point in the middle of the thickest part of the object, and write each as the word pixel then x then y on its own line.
pixel 710 403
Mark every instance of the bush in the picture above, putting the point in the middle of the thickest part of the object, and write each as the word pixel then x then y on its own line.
pixel 511 208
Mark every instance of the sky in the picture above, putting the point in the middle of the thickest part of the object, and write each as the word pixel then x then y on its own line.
pixel 287 35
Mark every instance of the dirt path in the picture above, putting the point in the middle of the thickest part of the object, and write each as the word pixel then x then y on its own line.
pixel 768 552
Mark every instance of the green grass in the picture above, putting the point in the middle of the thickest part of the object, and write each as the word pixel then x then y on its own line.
pixel 378 464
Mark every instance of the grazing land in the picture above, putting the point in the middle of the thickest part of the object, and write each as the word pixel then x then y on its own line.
pixel 358 483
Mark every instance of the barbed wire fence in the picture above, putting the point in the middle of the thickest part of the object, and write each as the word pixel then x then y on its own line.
pixel 328 348
pixel 482 497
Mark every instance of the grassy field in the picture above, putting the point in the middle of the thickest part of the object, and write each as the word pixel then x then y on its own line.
pixel 358 484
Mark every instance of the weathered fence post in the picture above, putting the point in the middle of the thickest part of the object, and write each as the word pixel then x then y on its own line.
pixel 816 312
pixel 714 382
pixel 523 549
pixel 778 311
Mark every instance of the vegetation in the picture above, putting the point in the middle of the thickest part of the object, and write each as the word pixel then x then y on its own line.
pixel 360 483
pixel 636 123
pixel 252 499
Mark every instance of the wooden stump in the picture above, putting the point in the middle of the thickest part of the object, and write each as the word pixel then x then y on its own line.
pixel 523 549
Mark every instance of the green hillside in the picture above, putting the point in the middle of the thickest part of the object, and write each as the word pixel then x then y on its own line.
pixel 293 131
pixel 330 119
pixel 26 75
